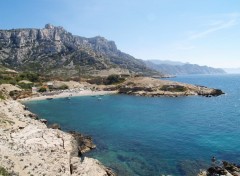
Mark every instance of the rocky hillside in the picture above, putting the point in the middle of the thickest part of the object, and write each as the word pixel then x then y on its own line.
pixel 53 50
pixel 175 68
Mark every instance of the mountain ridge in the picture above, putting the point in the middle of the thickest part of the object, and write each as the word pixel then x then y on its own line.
pixel 182 69
pixel 167 62
pixel 53 50
pixel 232 70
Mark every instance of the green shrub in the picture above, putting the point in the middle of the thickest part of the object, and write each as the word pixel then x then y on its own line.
pixel 3 172
pixel 97 80
pixel 114 79
pixel 2 97
pixel 25 86
pixel 13 82
pixel 12 93
pixel 15 94
pixel 173 88
pixel 42 89
pixel 33 77
pixel 5 79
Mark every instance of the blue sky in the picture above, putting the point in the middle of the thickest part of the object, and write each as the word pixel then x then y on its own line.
pixel 205 32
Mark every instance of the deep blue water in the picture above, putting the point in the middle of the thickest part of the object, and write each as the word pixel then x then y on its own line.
pixel 154 136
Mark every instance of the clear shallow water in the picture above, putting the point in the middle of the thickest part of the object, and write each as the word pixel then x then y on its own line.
pixel 154 136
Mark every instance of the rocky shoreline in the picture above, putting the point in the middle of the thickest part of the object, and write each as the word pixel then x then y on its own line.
pixel 29 147
pixel 145 86
pixel 225 168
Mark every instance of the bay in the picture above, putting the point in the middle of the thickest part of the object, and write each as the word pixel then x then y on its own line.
pixel 155 136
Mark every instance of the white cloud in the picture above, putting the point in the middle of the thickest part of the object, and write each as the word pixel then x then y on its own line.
pixel 217 25
pixel 214 28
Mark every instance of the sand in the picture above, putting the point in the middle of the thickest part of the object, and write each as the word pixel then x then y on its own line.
pixel 68 93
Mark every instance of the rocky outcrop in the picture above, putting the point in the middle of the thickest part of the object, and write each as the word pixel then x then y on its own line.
pixel 53 50
pixel 225 169
pixel 28 147
pixel 144 86
pixel 84 143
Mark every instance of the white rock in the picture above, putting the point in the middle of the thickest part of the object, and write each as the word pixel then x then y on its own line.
pixel 37 150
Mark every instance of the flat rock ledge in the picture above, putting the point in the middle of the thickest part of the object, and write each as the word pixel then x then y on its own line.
pixel 29 148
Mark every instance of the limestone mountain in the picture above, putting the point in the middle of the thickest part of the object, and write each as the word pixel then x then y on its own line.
pixel 178 68
pixel 52 50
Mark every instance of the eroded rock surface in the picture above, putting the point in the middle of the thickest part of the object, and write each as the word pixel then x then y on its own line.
pixel 53 50
pixel 28 147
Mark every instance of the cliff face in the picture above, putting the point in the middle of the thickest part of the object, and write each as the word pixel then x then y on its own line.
pixel 53 50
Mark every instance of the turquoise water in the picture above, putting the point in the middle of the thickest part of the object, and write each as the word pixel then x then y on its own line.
pixel 153 136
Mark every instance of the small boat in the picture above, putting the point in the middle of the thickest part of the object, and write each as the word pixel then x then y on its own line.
pixel 99 99
pixel 67 98
pixel 49 98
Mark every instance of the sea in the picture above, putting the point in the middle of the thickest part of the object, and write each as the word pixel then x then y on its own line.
pixel 143 136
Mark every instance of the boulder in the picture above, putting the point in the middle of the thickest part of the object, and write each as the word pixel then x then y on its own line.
pixel 33 116
pixel 85 143
pixel 217 92
pixel 43 121
pixel 55 126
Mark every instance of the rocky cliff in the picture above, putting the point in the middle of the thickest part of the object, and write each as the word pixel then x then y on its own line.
pixel 28 147
pixel 53 50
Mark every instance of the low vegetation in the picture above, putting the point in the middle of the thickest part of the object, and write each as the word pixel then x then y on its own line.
pixel 173 88
pixel 14 94
pixel 110 80
pixel 42 89
pixel 3 172
pixel 2 97
pixel 16 78
pixel 33 77
pixel 25 86
pixel 114 79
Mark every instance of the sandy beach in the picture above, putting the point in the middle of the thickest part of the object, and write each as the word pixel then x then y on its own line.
pixel 66 93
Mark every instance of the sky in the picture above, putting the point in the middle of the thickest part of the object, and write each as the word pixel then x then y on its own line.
pixel 204 32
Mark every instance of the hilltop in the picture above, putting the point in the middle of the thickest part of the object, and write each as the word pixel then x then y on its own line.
pixel 55 51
